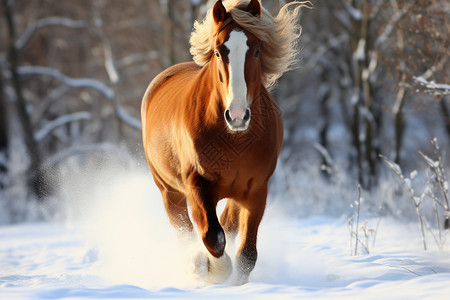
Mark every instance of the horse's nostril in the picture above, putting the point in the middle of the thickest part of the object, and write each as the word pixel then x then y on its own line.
pixel 247 115
pixel 227 116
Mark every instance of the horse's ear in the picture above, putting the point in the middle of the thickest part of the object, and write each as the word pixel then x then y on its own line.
pixel 254 8
pixel 219 12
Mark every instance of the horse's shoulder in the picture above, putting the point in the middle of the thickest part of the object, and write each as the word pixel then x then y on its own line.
pixel 165 76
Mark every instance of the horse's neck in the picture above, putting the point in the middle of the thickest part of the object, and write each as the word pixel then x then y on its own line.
pixel 209 87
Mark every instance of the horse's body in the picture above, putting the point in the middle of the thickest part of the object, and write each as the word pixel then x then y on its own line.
pixel 208 137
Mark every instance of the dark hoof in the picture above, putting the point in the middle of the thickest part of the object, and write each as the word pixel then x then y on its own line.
pixel 245 263
pixel 215 242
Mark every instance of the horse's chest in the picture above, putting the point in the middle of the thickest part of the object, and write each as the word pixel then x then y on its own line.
pixel 227 153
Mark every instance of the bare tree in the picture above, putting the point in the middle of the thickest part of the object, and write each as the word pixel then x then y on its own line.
pixel 35 177
pixel 74 73
pixel 32 134
pixel 3 131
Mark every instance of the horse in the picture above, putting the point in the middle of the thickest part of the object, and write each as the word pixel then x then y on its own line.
pixel 212 130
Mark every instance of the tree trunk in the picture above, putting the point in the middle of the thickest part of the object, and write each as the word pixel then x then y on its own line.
pixel 399 119
pixel 324 95
pixel 3 132
pixel 445 114
pixel 35 175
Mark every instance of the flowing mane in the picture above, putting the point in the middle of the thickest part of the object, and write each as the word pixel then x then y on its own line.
pixel 278 35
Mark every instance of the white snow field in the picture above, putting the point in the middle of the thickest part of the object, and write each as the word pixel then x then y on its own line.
pixel 116 243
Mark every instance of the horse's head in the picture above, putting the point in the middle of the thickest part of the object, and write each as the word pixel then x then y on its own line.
pixel 238 65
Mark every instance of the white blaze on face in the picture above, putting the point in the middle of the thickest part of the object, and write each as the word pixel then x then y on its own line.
pixel 237 88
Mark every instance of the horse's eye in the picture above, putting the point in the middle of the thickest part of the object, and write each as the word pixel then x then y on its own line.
pixel 257 53
pixel 217 54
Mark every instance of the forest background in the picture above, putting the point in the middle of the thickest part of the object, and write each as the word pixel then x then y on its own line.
pixel 372 79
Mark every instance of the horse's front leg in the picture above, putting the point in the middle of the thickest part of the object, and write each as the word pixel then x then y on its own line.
pixel 203 205
pixel 251 214
pixel 204 215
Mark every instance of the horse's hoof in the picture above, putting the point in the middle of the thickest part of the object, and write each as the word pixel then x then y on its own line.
pixel 199 266
pixel 219 269
pixel 214 241
pixel 242 278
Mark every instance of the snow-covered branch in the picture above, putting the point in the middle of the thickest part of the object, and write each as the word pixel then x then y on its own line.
pixel 40 109
pixel 416 201
pixel 73 82
pixel 86 149
pixel 109 60
pixel 107 49
pixel 65 119
pixel 438 66
pixel 435 88
pixel 137 57
pixel 85 82
pixel 50 21
pixel 398 15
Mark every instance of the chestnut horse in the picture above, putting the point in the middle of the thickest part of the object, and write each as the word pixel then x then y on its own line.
pixel 211 129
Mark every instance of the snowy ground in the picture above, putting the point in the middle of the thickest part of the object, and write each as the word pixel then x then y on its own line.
pixel 121 246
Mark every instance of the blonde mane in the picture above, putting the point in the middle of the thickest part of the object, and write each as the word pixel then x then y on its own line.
pixel 278 35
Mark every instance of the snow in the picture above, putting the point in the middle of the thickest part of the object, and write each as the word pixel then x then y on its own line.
pixel 116 243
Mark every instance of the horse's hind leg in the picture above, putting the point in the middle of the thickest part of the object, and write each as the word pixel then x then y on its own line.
pixel 176 208
pixel 230 218
pixel 175 205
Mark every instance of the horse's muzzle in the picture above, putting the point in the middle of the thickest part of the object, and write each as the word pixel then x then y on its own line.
pixel 238 123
